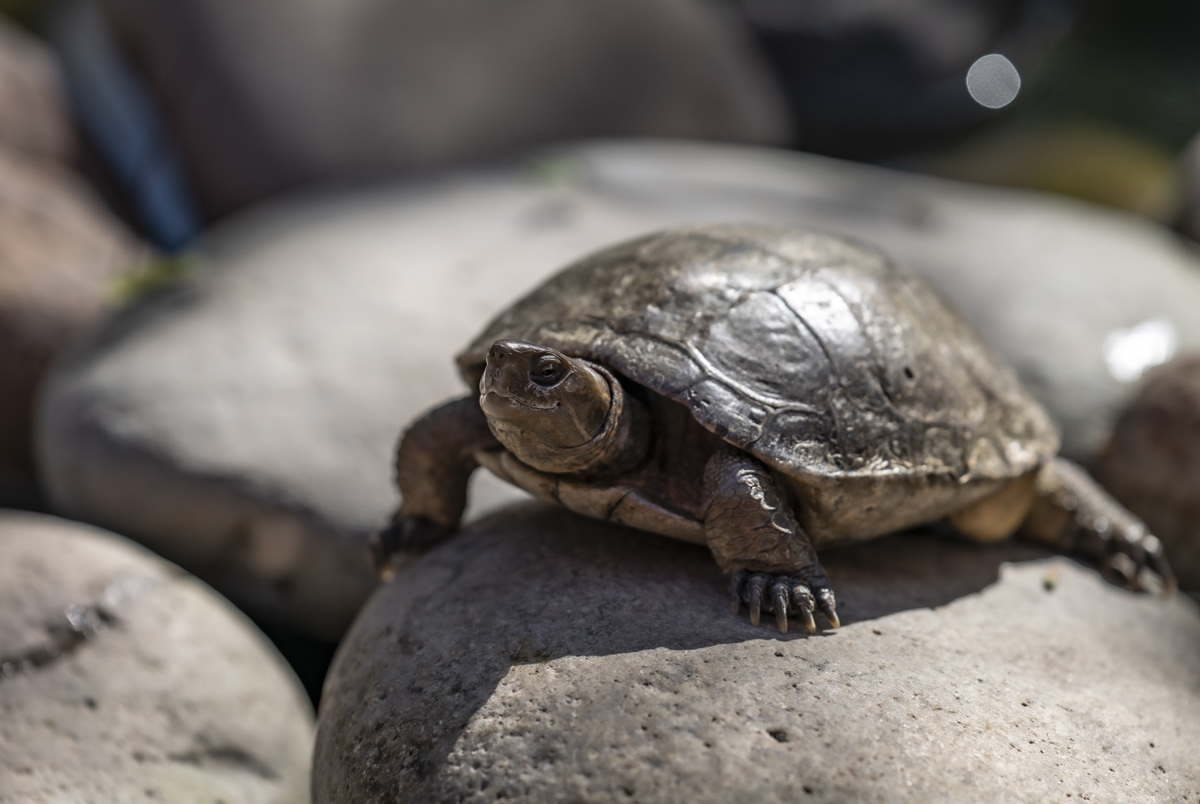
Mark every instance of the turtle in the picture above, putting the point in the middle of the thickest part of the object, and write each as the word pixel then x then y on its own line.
pixel 764 391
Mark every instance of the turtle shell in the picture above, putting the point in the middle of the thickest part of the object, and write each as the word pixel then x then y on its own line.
pixel 807 350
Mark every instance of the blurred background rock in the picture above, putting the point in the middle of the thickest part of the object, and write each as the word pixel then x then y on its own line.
pixel 61 248
pixel 408 138
pixel 265 96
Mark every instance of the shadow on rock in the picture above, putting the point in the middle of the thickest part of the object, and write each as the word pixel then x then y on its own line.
pixel 535 583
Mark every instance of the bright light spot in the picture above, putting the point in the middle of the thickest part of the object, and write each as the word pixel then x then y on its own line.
pixel 993 81
pixel 1129 352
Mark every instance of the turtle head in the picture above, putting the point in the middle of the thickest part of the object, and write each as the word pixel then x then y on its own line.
pixel 553 412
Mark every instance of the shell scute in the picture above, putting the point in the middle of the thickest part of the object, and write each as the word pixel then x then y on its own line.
pixel 723 411
pixel 764 351
pixel 809 351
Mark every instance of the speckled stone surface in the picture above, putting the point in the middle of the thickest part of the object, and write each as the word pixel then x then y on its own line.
pixel 242 423
pixel 543 657
pixel 123 680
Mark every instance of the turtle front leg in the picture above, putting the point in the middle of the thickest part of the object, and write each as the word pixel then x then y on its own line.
pixel 755 537
pixel 434 462
pixel 1071 512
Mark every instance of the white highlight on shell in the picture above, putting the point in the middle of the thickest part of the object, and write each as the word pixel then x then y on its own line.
pixel 993 81
pixel 1130 352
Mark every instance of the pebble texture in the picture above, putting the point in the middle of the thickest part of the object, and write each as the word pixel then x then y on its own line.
pixel 123 680
pixel 1152 464
pixel 242 423
pixel 541 657
pixel 270 94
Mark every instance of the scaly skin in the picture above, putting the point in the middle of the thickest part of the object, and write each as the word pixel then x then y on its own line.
pixel 1072 513
pixel 754 536
pixel 434 461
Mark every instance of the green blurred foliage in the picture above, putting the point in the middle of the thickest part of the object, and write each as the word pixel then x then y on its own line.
pixel 149 277
pixel 1084 159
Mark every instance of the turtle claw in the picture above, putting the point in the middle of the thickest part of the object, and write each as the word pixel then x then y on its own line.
pixel 786 596
pixel 828 606
pixel 755 596
pixel 814 578
pixel 1134 559
pixel 404 537
pixel 802 601
pixel 831 615
pixel 779 601
pixel 1156 562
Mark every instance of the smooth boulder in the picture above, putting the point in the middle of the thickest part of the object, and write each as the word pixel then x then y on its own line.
pixel 242 422
pixel 122 679
pixel 63 253
pixel 1152 463
pixel 542 657
pixel 34 121
pixel 268 95
pixel 61 247
pixel 1188 220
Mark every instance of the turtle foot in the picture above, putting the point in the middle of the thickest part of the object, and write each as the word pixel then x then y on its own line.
pixel 405 536
pixel 782 595
pixel 1072 512
pixel 1134 559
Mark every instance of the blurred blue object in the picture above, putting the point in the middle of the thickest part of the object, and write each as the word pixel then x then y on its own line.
pixel 116 112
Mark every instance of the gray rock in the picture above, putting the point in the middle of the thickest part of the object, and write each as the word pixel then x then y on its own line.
pixel 271 94
pixel 242 423
pixel 1189 185
pixel 122 680
pixel 1152 463
pixel 542 657
pixel 62 252
pixel 60 249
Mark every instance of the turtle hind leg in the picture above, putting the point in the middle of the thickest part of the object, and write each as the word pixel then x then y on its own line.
pixel 1072 512
pixel 754 536
pixel 1000 514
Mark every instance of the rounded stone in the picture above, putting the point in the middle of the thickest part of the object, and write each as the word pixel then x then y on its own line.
pixel 242 422
pixel 279 93
pixel 543 657
pixel 61 248
pixel 122 679
pixel 34 121
pixel 1188 220
pixel 62 254
pixel 1152 463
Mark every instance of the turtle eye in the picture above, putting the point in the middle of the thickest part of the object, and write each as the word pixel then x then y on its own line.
pixel 547 371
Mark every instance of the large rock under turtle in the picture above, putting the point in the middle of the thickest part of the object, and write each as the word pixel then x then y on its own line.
pixel 764 391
